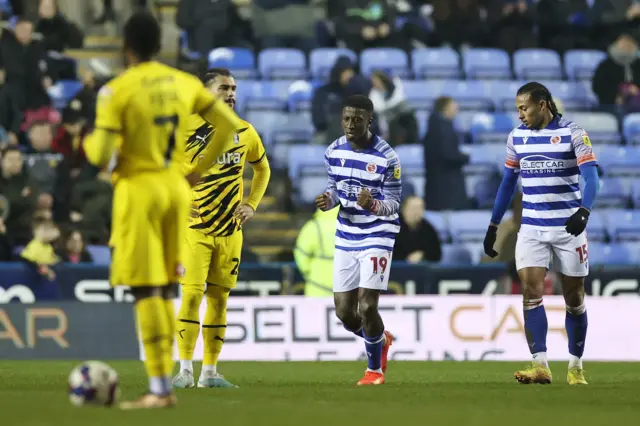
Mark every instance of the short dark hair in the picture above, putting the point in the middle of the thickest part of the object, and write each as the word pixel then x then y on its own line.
pixel 142 35
pixel 360 102
pixel 212 73
pixel 10 148
pixel 539 93
pixel 441 103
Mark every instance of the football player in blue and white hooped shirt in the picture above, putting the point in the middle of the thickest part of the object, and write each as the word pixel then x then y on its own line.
pixel 364 181
pixel 549 153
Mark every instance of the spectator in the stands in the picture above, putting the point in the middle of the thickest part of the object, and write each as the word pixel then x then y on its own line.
pixel 20 194
pixel 40 259
pixel 69 137
pixel 458 22
pixel 11 113
pixel 417 240
pixel 445 187
pixel 6 246
pixel 563 25
pixel 73 248
pixel 361 24
pixel 49 171
pixel 327 101
pixel 284 23
pixel 23 67
pixel 616 81
pixel 612 16
pixel 511 24
pixel 397 119
pixel 209 24
pixel 90 206
pixel 58 33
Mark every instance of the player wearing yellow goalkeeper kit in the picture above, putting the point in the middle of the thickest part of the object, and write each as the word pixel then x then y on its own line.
pixel 213 242
pixel 142 118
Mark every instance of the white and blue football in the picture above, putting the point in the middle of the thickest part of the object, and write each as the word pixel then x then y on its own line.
pixel 93 383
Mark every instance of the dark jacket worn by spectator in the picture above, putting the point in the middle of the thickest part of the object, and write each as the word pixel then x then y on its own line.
pixel 422 237
pixel 208 23
pixel 20 194
pixel 445 187
pixel 327 101
pixel 11 109
pixel 58 33
pixel 618 76
pixel 24 62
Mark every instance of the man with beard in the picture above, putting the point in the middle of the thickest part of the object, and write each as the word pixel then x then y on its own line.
pixel 213 243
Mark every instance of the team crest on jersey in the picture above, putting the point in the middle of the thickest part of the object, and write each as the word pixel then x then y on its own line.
pixel 180 270
pixel 556 140
pixel 371 168
pixel 396 172
pixel 586 140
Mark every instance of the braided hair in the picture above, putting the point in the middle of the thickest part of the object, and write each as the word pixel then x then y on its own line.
pixel 538 93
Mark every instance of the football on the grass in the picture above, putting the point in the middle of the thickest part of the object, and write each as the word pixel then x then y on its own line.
pixel 93 383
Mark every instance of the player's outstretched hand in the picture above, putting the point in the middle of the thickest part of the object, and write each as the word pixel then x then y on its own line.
pixel 577 223
pixel 243 213
pixel 323 201
pixel 365 199
pixel 490 240
pixel 193 178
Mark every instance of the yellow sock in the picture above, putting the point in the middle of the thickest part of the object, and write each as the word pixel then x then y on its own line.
pixel 214 326
pixel 187 323
pixel 171 316
pixel 155 330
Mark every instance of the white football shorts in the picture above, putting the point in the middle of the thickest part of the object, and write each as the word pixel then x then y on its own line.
pixel 361 269
pixel 567 254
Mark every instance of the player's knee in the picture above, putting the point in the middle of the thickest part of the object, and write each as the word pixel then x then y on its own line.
pixel 573 296
pixel 217 297
pixel 368 308
pixel 345 313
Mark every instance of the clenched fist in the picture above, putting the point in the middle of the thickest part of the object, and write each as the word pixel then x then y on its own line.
pixel 365 199
pixel 323 201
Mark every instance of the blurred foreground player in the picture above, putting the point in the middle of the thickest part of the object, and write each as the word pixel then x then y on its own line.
pixel 364 179
pixel 550 153
pixel 213 242
pixel 142 116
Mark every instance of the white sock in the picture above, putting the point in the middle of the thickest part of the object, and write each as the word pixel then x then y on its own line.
pixel 541 358
pixel 186 365
pixel 209 369
pixel 160 385
pixel 574 361
pixel 379 370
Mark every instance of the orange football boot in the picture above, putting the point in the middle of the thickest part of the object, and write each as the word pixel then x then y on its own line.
pixel 371 378
pixel 385 349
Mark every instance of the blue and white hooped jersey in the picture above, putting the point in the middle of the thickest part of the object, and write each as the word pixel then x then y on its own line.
pixel 548 161
pixel 376 169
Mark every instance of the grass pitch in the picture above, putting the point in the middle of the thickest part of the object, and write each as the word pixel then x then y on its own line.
pixel 324 394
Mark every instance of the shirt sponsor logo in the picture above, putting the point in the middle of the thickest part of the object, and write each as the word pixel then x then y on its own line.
pixel 535 164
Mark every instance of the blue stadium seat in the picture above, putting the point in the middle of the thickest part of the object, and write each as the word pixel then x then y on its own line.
pixel 631 128
pixel 435 62
pixel 601 126
pixel 455 254
pixel 439 221
pixel 634 251
pixel 388 59
pixel 421 93
pixel 492 128
pixel 463 121
pixel 301 94
pixel 265 121
pixel 477 251
pixel 612 194
pixel 609 254
pixel 581 64
pixel 321 60
pixel 185 50
pixel 531 64
pixel 486 63
pixel 101 254
pixel 239 60
pixel 486 158
pixel 310 187
pixel 470 95
pixel 504 93
pixel 307 158
pixel 596 227
pixel 468 226
pixel 572 94
pixel 635 193
pixel 484 192
pixel 64 91
pixel 276 63
pixel 263 95
pixel 619 160
pixel 624 225
pixel 422 117
pixel 413 170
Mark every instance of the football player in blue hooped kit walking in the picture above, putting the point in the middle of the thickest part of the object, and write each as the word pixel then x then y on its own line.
pixel 364 180
pixel 550 153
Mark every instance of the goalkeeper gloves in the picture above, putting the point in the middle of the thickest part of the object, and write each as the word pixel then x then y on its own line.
pixel 577 223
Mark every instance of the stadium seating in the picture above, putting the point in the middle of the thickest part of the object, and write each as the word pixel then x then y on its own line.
pixel 486 63
pixel 596 228
pixel 455 254
pixel 531 64
pixel 63 91
pixel 609 254
pixel 282 63
pixel 619 160
pixel 390 60
pixel 612 194
pixel 439 221
pixel 321 60
pixel 439 62
pixel 623 225
pixel 412 161
pixel 239 60
pixel 581 64
pixel 602 127
pixel 492 128
pixel 101 254
pixel 468 226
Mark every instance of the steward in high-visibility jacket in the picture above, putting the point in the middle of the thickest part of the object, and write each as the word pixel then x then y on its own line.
pixel 314 253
